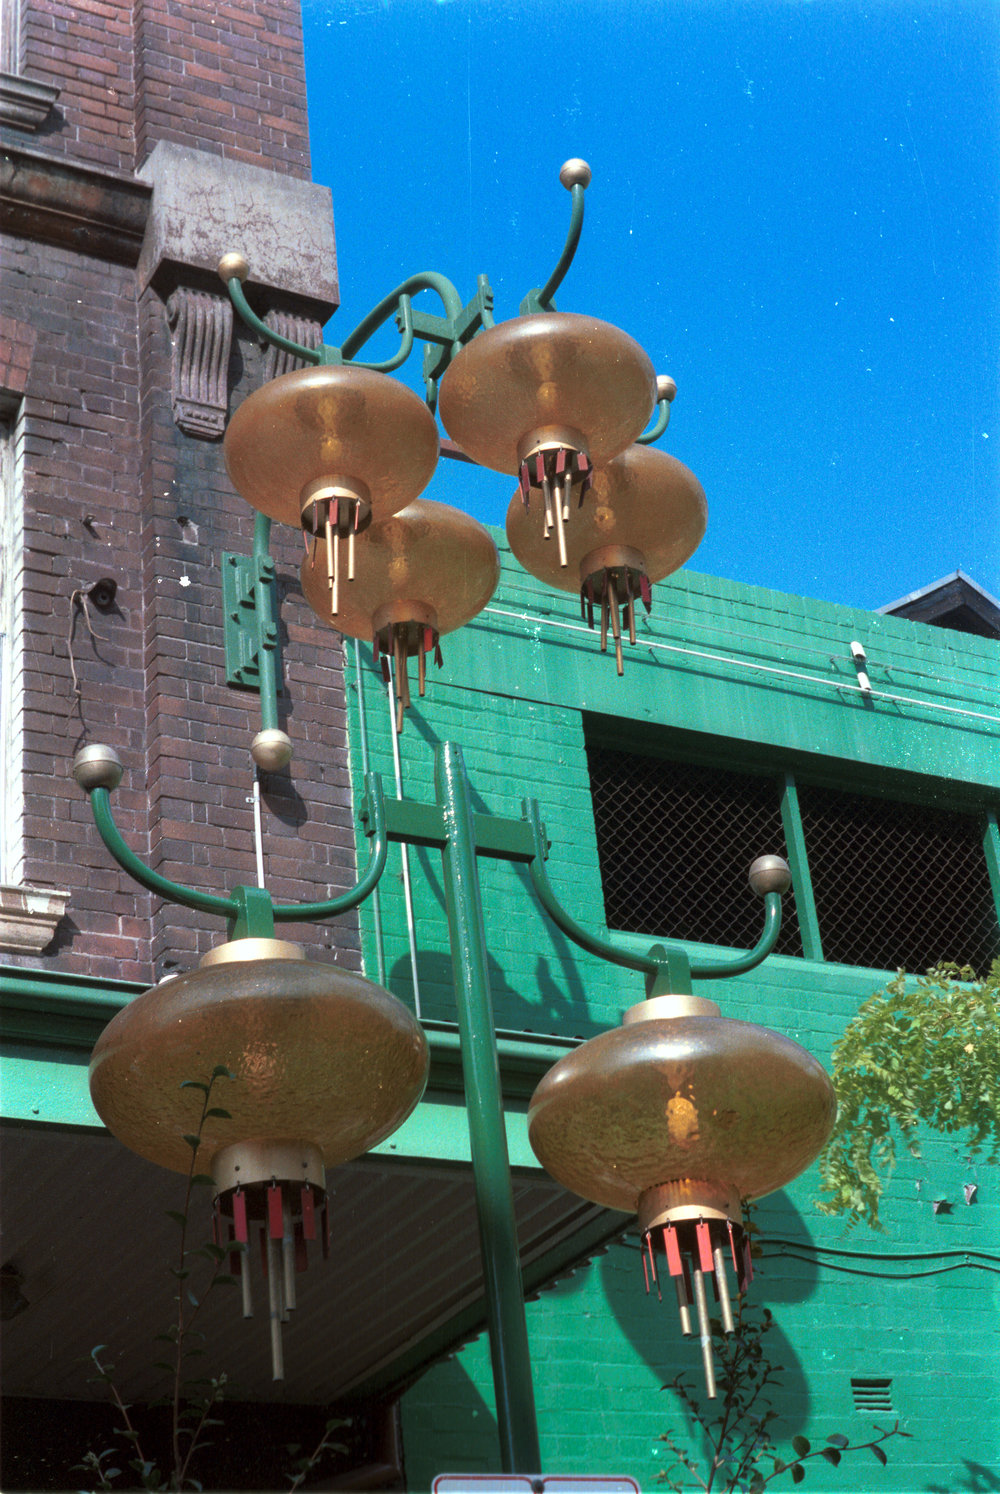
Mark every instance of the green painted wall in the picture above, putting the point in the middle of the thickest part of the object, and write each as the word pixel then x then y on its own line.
pixel 918 1303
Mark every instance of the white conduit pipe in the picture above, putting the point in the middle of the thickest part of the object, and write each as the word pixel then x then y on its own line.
pixel 390 695
pixel 791 674
pixel 258 834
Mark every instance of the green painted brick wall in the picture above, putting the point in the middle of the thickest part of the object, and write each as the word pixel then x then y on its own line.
pixel 917 1303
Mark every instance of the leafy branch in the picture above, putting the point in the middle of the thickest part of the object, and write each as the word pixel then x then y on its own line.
pixel 924 1052
pixel 739 1439
pixel 190 1399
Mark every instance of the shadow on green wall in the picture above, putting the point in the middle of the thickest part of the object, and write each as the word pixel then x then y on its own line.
pixel 554 1007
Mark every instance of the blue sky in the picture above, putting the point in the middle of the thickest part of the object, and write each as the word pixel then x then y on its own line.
pixel 794 209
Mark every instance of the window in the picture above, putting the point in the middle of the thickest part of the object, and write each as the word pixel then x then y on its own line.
pixel 876 883
pixel 676 843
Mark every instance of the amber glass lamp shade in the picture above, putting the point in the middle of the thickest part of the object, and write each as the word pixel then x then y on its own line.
pixel 319 433
pixel 317 1053
pixel 550 370
pixel 644 519
pixel 681 1116
pixel 323 1065
pixel 421 573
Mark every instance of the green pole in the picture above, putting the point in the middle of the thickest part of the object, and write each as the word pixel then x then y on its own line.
pixel 516 1421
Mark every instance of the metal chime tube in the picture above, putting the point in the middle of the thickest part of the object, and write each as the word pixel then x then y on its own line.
pixel 287 1252
pixel 245 1284
pixel 704 1330
pixel 274 1305
pixel 722 1289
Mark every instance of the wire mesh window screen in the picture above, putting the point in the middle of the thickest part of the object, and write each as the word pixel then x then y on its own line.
pixel 675 844
pixel 898 885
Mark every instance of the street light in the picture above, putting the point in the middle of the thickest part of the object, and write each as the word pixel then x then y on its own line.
pixel 343 451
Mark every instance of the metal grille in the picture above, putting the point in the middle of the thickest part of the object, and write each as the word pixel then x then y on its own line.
pixel 898 885
pixel 676 843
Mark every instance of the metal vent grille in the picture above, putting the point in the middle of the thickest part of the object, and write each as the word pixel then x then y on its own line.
pixel 898 885
pixel 871 1393
pixel 676 843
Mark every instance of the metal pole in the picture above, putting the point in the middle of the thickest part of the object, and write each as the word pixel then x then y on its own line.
pixel 516 1420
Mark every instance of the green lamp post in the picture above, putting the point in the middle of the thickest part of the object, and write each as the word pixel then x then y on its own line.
pixel 678 1123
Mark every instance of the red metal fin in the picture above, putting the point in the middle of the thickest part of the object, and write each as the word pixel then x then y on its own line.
pixel 704 1247
pixel 671 1246
pixel 560 461
pixel 386 671
pixel 647 592
pixel 539 469
pixel 645 1268
pixel 438 660
pixel 275 1223
pixel 308 1206
pixel 301 1253
pixel 747 1262
pixel 240 1216
pixel 335 512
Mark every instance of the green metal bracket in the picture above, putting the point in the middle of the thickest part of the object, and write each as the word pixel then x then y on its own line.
pixel 424 825
pixel 254 915
pixel 241 633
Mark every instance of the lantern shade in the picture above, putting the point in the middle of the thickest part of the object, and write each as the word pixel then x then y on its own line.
pixel 690 1097
pixel 644 500
pixel 429 554
pixel 330 423
pixel 319 1056
pixel 550 370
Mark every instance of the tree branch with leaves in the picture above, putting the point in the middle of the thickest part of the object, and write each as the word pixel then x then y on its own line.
pixel 923 1052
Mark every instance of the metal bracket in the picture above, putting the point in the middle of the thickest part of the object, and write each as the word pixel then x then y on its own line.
pixel 240 627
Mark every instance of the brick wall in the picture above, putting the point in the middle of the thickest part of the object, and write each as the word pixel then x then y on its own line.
pixel 226 78
pixel 114 487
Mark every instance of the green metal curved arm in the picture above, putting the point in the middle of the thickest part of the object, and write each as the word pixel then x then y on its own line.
pixel 714 969
pixel 659 425
pixel 666 967
pixel 541 300
pixel 593 943
pixel 423 280
pixel 174 892
pixel 373 815
pixel 246 313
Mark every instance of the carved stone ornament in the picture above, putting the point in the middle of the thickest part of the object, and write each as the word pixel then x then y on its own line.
pixel 300 329
pixel 28 917
pixel 201 326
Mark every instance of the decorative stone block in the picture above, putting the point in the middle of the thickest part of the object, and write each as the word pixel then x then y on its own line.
pixel 28 917
pixel 203 206
pixel 201 327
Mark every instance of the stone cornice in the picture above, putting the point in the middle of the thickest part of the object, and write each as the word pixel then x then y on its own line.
pixel 54 200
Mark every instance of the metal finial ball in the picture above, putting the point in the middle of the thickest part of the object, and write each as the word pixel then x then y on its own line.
pixel 97 766
pixel 575 173
pixel 666 387
pixel 770 874
pixel 233 266
pixel 271 749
